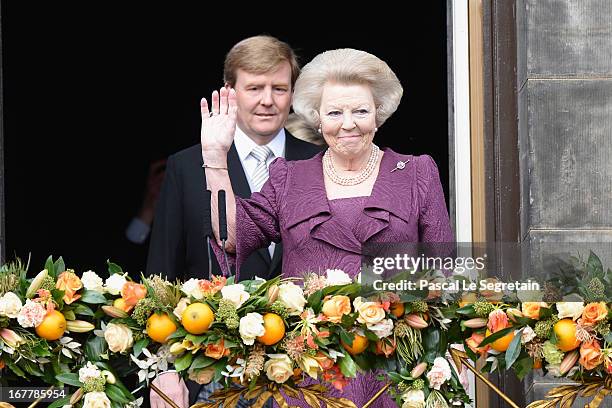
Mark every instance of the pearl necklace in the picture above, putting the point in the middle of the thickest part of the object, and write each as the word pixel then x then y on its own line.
pixel 328 166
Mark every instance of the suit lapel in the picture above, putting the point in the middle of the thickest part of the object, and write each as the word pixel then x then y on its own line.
pixel 237 177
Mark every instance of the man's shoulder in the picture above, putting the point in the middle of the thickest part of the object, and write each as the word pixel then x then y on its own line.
pixel 298 149
pixel 188 155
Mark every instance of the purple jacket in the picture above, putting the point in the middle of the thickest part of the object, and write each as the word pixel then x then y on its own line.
pixel 405 206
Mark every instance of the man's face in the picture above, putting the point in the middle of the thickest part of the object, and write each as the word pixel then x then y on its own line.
pixel 263 101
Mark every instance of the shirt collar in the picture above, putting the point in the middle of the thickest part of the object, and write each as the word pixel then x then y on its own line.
pixel 244 144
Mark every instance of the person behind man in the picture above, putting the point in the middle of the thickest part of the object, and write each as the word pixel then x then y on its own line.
pixel 262 70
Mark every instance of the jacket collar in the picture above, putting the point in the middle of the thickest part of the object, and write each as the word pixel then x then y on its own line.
pixel 308 201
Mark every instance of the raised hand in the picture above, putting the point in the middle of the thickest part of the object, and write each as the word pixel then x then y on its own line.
pixel 218 124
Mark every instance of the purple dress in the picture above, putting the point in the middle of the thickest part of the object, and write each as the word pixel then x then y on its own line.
pixel 405 206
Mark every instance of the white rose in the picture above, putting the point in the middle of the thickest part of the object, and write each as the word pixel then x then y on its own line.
pixel 570 309
pixel 92 281
pixel 115 283
pixel 192 288
pixel 96 400
pixel 88 372
pixel 235 294
pixel 292 297
pixel 119 337
pixel 413 399
pixel 527 335
pixel 10 305
pixel 180 307
pixel 337 277
pixel 279 368
pixel 251 327
pixel 382 329
pixel 369 312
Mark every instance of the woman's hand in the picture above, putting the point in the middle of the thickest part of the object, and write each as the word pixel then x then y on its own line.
pixel 218 125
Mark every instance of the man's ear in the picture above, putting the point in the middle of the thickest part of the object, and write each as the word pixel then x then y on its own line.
pixel 227 85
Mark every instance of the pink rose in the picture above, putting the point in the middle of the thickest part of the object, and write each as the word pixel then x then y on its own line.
pixel 439 373
pixel 498 320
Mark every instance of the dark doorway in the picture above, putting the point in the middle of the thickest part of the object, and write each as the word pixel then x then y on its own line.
pixel 92 95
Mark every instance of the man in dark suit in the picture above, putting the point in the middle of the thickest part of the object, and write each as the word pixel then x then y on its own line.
pixel 262 70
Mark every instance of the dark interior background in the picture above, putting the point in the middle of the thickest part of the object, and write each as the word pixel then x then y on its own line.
pixel 92 95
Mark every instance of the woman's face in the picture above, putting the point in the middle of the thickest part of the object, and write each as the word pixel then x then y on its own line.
pixel 348 118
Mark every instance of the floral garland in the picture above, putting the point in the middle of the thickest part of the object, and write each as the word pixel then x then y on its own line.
pixel 87 334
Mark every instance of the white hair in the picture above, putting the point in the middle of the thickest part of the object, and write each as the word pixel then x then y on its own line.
pixel 346 66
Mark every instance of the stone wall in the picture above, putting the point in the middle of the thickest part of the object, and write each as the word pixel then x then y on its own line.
pixel 564 70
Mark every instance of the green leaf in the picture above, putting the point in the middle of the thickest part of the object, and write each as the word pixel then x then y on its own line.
pixel 14 368
pixel 140 344
pixel 495 336
pixel 82 309
pixel 114 393
pixel 314 301
pixel 514 350
pixel 60 402
pixel 113 267
pixel 183 362
pixel 466 311
pixel 370 335
pixel 93 297
pixel 179 333
pixel 431 339
pixel 202 361
pixel 59 266
pixel 95 347
pixel 346 337
pixel 523 367
pixel 348 320
pixel 70 379
pixel 196 340
pixel 348 366
pixel 50 267
pixel 594 263
pixel 69 314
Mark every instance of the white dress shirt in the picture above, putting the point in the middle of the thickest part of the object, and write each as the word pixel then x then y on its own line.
pixel 244 146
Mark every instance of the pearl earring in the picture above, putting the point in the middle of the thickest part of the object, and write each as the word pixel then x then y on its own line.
pixel 320 130
pixel 375 129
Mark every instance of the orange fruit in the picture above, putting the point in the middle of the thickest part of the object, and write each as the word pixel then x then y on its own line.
pixel 120 304
pixel 360 344
pixel 398 309
pixel 159 327
pixel 275 329
pixel 52 326
pixel 197 318
pixel 503 343
pixel 565 329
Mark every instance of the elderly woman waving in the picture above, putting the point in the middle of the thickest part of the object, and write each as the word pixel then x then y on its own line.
pixel 325 208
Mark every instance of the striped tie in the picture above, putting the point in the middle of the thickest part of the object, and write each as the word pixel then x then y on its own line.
pixel 260 175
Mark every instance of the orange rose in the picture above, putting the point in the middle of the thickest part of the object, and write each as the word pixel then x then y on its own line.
pixel 70 284
pixel 532 309
pixel 325 362
pixel 386 347
pixel 498 320
pixel 209 288
pixel 593 313
pixel 336 307
pixel 217 351
pixel 590 355
pixel 474 341
pixel 132 292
